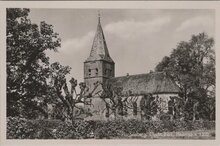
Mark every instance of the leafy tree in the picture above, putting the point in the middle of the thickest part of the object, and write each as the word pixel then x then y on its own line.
pixel 192 66
pixel 27 63
pixel 163 64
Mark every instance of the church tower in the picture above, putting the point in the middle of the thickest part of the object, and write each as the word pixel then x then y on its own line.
pixel 99 66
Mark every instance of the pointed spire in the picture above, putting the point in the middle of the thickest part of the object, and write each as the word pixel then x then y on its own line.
pixel 99 17
pixel 99 49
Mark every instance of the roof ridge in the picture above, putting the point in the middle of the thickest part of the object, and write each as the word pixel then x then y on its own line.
pixel 139 74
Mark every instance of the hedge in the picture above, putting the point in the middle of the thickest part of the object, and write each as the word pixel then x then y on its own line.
pixel 18 128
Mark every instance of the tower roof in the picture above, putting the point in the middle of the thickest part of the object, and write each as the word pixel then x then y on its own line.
pixel 99 49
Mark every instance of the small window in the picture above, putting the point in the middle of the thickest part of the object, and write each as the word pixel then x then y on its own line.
pixel 171 106
pixel 96 71
pixel 135 108
pixel 110 72
pixel 89 72
pixel 107 110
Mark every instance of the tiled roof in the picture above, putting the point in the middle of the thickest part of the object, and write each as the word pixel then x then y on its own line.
pixel 141 84
pixel 99 49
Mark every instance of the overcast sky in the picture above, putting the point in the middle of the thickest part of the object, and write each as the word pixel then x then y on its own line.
pixel 137 39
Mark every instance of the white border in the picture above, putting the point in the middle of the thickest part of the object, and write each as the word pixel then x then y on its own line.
pixel 102 5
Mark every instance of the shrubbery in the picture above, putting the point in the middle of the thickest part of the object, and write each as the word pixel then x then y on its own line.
pixel 18 128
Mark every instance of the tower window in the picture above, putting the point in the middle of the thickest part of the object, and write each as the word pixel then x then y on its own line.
pixel 96 71
pixel 89 72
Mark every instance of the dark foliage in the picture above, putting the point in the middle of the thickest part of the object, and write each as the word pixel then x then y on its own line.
pixel 192 66
pixel 27 63
pixel 54 129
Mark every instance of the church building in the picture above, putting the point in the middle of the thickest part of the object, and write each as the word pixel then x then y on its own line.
pixel 99 66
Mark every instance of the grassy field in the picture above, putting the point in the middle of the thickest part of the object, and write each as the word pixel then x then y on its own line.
pixel 197 134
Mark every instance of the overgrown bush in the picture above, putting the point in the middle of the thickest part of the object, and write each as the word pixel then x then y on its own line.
pixel 18 128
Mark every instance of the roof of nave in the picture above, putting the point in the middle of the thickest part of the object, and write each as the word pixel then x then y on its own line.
pixel 140 84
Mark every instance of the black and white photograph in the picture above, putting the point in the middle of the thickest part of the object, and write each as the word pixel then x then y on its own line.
pixel 98 73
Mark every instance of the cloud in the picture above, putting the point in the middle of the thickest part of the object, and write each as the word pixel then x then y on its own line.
pixel 125 36
pixel 199 22
pixel 130 29
pixel 76 44
pixel 73 53
pixel 127 29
